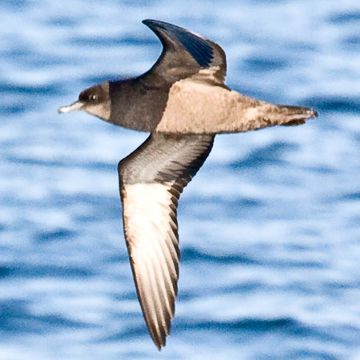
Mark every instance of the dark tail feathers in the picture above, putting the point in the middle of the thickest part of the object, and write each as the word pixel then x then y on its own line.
pixel 296 115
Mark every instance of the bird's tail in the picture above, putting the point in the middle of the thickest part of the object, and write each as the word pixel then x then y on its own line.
pixel 294 115
pixel 254 114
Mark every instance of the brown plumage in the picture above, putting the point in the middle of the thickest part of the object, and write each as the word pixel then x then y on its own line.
pixel 183 102
pixel 151 181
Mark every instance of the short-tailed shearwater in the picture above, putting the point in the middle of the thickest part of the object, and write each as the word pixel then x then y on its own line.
pixel 183 102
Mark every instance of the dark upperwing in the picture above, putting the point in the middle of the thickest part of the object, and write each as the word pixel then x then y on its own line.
pixel 184 54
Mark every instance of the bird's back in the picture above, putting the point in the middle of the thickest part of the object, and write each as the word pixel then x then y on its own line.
pixel 195 106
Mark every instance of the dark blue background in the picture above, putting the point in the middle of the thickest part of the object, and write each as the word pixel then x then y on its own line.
pixel 269 228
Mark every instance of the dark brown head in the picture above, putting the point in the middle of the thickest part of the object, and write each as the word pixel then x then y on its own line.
pixel 94 100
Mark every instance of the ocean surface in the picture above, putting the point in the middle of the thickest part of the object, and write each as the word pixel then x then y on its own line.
pixel 269 228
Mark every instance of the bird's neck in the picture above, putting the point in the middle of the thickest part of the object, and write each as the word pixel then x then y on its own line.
pixel 137 103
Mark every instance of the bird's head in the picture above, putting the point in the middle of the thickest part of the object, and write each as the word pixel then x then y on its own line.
pixel 95 100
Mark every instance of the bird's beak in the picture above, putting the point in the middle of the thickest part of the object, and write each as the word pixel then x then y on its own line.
pixel 77 105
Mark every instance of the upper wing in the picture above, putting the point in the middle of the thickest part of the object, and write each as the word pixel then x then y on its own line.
pixel 185 54
pixel 151 181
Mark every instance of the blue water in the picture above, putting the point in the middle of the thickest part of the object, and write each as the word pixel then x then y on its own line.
pixel 269 228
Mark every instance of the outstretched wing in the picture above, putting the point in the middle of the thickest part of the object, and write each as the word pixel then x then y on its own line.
pixel 185 54
pixel 151 181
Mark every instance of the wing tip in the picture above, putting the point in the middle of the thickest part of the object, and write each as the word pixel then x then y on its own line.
pixel 195 44
pixel 158 25
pixel 158 338
pixel 152 23
pixel 157 342
pixel 157 331
pixel 148 22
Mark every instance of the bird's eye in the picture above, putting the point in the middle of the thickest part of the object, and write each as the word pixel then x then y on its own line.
pixel 93 97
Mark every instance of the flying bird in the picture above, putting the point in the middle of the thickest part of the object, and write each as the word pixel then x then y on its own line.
pixel 183 102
